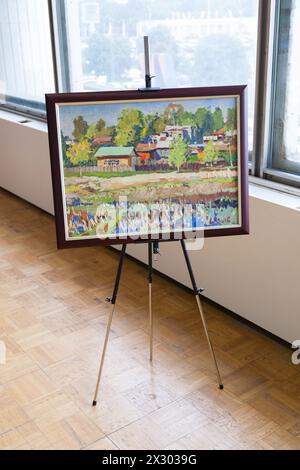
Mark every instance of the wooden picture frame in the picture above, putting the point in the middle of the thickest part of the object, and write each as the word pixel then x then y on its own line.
pixel 122 133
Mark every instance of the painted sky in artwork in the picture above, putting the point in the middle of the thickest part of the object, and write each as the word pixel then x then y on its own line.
pixel 110 112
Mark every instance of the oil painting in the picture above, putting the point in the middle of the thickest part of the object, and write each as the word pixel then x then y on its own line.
pixel 139 165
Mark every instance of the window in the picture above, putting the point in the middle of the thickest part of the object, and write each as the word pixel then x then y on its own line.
pixel 286 118
pixel 194 43
pixel 26 68
pixel 82 45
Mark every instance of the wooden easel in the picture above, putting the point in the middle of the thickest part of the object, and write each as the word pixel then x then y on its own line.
pixel 153 249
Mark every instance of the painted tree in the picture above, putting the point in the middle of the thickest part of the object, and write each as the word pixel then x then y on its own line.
pixel 172 114
pixel 186 119
pixel 64 150
pixel 154 123
pixel 80 127
pixel 100 125
pixel 107 131
pixel 218 119
pixel 91 132
pixel 129 127
pixel 178 152
pixel 101 131
pixel 200 116
pixel 204 122
pixel 208 125
pixel 211 153
pixel 231 121
pixel 199 120
pixel 148 129
pixel 79 153
pixel 159 124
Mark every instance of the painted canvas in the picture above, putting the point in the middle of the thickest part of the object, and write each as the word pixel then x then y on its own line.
pixel 129 166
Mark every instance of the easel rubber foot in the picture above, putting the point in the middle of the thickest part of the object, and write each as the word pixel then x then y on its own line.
pixel 94 403
pixel 221 386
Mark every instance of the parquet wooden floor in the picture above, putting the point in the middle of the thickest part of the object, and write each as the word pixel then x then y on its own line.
pixel 52 320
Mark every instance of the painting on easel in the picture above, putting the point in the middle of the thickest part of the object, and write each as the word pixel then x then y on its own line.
pixel 131 166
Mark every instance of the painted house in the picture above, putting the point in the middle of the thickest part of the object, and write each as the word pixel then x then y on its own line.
pixel 146 153
pixel 220 134
pixel 102 141
pixel 172 132
pixel 113 158
pixel 164 142
pixel 208 138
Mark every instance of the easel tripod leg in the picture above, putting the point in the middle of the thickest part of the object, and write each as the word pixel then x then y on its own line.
pixel 109 322
pixel 150 300
pixel 197 295
pixel 221 386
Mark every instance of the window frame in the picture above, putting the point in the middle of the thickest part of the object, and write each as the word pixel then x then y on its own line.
pixel 274 169
pixel 264 157
pixel 24 109
pixel 59 42
pixel 34 109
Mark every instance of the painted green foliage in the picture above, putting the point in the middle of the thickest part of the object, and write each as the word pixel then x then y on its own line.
pixel 133 125
pixel 204 123
pixel 64 150
pixel 100 125
pixel 200 116
pixel 153 124
pixel 231 122
pixel 91 132
pixel 186 119
pixel 218 120
pixel 99 130
pixel 211 153
pixel 129 127
pixel 80 127
pixel 178 152
pixel 79 153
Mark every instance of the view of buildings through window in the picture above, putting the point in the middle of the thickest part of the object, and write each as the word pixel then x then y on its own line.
pixel 194 43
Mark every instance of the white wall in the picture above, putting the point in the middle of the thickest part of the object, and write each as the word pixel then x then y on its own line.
pixel 255 276
pixel 24 160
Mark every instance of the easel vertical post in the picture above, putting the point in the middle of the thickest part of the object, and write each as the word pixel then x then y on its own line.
pixel 150 271
pixel 147 62
pixel 148 76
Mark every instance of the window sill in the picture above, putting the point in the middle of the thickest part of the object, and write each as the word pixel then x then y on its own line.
pixel 274 193
pixel 27 121
pixel 29 113
pixel 285 178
